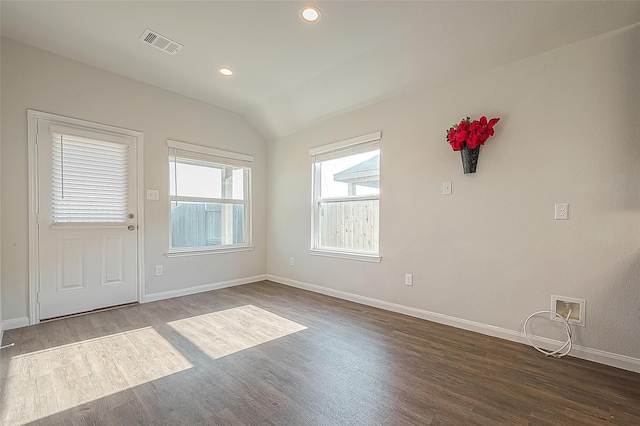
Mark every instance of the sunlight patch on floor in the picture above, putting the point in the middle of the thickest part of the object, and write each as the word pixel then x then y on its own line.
pixel 222 333
pixel 42 383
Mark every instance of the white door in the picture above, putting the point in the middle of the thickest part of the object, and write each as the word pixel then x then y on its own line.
pixel 87 218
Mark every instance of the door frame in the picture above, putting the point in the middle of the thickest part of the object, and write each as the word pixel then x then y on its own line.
pixel 32 148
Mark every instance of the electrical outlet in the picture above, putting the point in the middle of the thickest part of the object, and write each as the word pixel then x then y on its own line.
pixel 446 188
pixel 562 212
pixel 408 279
pixel 291 261
pixel 158 270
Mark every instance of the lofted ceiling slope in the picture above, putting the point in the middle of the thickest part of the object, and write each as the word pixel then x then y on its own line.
pixel 289 74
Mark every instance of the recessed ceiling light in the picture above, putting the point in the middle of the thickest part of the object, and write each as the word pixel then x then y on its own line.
pixel 225 71
pixel 310 13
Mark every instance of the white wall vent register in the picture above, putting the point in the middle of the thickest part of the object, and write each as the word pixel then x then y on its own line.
pixel 161 42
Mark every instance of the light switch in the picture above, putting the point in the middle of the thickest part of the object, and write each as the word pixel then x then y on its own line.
pixel 446 188
pixel 153 194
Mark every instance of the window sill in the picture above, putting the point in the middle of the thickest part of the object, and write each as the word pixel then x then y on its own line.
pixel 346 255
pixel 203 251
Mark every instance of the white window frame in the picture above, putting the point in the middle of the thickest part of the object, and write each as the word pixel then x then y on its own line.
pixel 343 148
pixel 221 157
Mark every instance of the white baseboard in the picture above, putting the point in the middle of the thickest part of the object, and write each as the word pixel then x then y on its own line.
pixel 615 360
pixel 201 288
pixel 10 324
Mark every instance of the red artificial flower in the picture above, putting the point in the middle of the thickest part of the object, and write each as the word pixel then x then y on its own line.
pixel 457 146
pixel 471 134
pixel 452 137
pixel 473 142
pixel 462 135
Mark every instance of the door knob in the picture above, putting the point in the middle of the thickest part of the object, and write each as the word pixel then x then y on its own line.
pixel 130 216
pixel 131 227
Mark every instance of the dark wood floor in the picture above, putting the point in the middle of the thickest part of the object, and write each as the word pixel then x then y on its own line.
pixel 267 354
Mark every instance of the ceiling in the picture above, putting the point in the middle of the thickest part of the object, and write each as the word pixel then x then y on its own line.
pixel 290 75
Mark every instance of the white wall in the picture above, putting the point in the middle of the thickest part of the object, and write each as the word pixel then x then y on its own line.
pixel 492 252
pixel 1 328
pixel 32 78
pixel 489 253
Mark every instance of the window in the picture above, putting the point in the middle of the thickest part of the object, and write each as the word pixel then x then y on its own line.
pixel 346 198
pixel 210 194
pixel 89 177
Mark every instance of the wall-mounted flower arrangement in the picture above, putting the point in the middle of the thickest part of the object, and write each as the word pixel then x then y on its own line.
pixel 467 136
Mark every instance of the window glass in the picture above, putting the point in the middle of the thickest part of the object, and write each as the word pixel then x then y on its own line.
pixel 206 224
pixel 198 179
pixel 357 174
pixel 350 225
pixel 346 196
pixel 210 205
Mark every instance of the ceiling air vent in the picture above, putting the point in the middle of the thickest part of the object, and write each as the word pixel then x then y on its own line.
pixel 159 41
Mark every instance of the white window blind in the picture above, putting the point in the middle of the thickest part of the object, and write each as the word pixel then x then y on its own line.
pixel 196 157
pixel 89 179
pixel 356 145
pixel 186 151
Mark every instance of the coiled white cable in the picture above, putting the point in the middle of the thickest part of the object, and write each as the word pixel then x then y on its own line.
pixel 558 353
